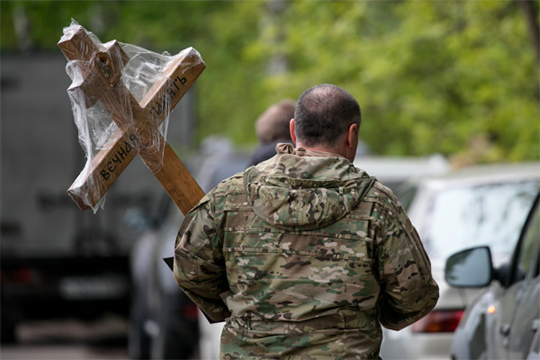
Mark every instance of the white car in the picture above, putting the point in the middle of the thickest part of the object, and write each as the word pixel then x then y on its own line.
pixel 478 206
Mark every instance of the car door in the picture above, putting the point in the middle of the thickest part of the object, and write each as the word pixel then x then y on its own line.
pixel 525 323
pixel 517 309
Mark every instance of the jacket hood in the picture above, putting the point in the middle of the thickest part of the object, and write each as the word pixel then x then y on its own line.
pixel 304 190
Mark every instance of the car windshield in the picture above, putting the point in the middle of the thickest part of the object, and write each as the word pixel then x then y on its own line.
pixel 491 215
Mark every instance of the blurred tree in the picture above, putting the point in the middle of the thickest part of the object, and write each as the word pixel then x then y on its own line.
pixel 456 77
pixel 430 76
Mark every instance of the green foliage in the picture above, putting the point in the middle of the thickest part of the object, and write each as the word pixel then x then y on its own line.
pixel 455 77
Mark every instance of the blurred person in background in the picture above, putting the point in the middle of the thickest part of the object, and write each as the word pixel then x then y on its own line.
pixel 304 255
pixel 272 128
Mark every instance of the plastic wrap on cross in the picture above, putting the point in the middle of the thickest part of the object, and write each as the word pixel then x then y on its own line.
pixel 121 96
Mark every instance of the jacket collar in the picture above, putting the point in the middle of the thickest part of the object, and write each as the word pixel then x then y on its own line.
pixel 289 149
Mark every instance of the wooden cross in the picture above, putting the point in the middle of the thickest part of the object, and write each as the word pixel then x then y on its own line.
pixel 137 128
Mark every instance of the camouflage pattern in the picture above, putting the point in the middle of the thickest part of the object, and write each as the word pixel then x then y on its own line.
pixel 304 256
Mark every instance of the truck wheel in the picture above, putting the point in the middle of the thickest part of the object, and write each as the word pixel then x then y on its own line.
pixel 7 329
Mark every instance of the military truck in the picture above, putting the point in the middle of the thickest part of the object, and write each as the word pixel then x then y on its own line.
pixel 57 261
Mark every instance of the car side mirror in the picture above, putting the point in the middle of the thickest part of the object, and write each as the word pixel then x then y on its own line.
pixel 470 268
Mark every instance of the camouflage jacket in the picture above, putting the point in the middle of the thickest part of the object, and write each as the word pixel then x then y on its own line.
pixel 304 256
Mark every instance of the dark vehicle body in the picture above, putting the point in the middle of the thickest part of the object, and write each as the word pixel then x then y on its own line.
pixel 165 323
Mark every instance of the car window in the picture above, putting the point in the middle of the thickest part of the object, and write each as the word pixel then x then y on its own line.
pixel 406 195
pixel 529 248
pixel 490 215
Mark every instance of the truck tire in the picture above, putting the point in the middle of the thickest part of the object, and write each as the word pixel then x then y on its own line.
pixel 8 326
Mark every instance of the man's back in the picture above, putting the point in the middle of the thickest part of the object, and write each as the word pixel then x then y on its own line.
pixel 313 252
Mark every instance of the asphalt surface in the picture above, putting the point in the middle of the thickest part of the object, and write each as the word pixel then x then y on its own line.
pixel 69 339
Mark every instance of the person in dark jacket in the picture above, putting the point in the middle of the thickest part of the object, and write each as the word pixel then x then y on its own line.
pixel 272 128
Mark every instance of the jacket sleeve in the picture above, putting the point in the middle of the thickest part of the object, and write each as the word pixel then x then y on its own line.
pixel 409 291
pixel 199 266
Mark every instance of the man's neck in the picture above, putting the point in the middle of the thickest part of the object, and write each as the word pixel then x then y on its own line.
pixel 317 148
pixel 337 150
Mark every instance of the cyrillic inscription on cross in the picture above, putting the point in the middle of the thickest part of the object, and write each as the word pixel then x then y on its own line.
pixel 137 121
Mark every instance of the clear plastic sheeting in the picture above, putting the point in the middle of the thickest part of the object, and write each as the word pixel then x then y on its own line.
pixel 121 97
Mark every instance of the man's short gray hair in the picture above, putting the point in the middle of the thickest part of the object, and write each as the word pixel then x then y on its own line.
pixel 323 114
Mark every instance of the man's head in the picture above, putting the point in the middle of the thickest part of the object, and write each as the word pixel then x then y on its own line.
pixel 327 118
pixel 273 124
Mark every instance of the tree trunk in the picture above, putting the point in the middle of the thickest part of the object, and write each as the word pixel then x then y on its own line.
pixel 531 16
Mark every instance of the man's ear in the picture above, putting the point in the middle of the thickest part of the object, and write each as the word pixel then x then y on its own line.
pixel 291 130
pixel 352 135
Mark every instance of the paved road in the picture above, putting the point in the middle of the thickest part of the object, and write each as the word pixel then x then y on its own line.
pixel 69 340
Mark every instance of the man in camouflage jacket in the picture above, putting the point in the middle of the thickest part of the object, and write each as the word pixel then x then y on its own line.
pixel 304 255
